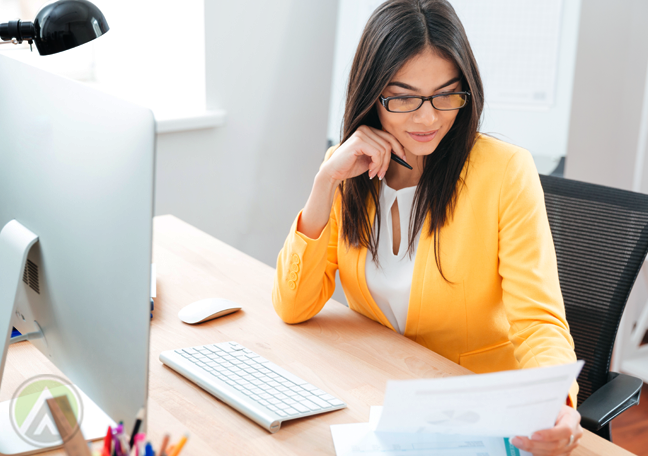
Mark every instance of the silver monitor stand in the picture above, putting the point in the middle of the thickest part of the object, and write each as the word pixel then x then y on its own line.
pixel 76 208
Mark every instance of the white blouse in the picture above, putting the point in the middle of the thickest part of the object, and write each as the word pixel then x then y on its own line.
pixel 390 281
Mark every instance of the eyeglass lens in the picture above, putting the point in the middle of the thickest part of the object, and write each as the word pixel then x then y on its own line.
pixel 443 102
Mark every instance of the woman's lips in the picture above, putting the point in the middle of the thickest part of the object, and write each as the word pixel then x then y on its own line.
pixel 423 136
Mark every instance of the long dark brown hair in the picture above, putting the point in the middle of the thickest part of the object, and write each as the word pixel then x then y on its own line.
pixel 397 31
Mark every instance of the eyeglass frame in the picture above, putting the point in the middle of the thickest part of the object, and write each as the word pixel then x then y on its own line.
pixel 385 101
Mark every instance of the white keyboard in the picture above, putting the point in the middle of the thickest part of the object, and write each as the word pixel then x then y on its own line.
pixel 249 383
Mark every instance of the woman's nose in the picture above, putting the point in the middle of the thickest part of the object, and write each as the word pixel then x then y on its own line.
pixel 426 114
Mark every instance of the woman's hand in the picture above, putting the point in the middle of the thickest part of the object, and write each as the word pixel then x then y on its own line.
pixel 559 440
pixel 368 149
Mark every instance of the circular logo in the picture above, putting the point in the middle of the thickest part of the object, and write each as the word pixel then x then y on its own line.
pixel 30 415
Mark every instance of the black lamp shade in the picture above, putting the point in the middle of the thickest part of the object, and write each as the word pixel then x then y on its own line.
pixel 66 24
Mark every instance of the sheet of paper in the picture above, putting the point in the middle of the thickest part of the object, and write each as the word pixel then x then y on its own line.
pixel 360 440
pixel 502 404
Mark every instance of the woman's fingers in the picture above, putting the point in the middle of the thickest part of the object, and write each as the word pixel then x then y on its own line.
pixel 380 163
pixel 559 440
pixel 396 146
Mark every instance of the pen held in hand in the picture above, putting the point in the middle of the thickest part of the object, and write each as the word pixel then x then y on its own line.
pixel 400 161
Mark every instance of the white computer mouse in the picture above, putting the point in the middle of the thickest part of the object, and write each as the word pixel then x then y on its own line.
pixel 207 309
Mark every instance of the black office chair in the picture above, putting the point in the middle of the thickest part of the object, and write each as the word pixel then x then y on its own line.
pixel 601 239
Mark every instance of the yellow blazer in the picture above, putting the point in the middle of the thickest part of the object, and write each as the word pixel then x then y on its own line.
pixel 504 308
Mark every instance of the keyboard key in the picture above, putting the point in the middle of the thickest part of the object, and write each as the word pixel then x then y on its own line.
pixel 336 402
pixel 274 401
pixel 327 397
pixel 320 402
pixel 310 387
pixel 281 396
pixel 311 406
pixel 265 396
pixel 291 402
pixel 301 408
pixel 280 413
pixel 318 392
pixel 264 402
pixel 291 411
pixel 283 406
pixel 272 407
pixel 283 389
pixel 292 378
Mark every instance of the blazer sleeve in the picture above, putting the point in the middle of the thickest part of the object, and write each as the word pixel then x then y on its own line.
pixel 527 264
pixel 305 277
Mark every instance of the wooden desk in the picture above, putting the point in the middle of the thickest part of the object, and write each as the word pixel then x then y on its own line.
pixel 339 351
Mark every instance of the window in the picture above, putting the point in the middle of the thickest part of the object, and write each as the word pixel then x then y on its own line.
pixel 142 58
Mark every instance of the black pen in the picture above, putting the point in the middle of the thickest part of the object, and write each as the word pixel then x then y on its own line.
pixel 400 161
pixel 138 423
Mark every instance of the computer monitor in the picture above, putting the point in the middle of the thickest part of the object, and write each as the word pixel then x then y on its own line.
pixel 76 208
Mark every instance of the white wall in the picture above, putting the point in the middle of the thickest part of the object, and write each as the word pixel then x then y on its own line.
pixel 269 65
pixel 609 90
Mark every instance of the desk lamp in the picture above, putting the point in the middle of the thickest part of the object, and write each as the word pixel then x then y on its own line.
pixel 58 26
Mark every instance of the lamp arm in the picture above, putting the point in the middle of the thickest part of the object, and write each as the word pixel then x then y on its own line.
pixel 17 31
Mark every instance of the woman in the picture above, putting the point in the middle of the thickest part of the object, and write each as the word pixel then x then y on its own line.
pixel 456 253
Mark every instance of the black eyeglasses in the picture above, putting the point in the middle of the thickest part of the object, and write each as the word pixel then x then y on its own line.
pixel 441 102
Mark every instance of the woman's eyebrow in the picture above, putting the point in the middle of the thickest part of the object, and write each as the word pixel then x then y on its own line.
pixel 414 89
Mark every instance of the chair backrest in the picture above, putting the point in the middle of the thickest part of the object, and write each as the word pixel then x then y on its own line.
pixel 601 239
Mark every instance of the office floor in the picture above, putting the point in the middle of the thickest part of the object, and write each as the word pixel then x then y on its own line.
pixel 630 429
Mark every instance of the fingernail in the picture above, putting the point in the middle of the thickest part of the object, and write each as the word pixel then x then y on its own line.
pixel 517 442
pixel 380 177
pixel 404 158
